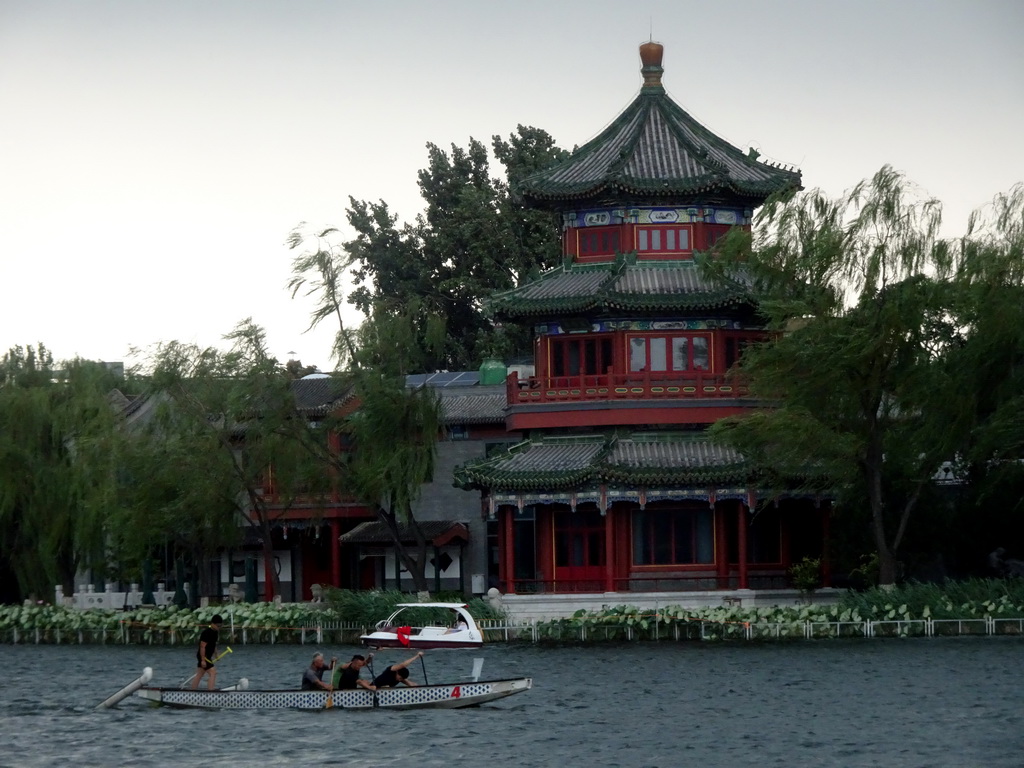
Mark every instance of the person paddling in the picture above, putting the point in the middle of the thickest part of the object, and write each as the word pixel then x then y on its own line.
pixel 395 674
pixel 348 678
pixel 312 678
pixel 206 652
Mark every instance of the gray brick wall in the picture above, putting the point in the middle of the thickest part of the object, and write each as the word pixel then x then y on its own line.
pixel 440 500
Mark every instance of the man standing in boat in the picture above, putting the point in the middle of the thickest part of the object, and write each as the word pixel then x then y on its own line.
pixel 206 652
pixel 313 677
pixel 395 674
pixel 348 678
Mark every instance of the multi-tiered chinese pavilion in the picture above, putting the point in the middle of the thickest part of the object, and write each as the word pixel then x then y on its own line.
pixel 617 487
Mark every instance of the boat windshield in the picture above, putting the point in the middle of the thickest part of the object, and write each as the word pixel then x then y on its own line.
pixel 424 616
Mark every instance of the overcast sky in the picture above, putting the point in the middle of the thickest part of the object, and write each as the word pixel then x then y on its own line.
pixel 154 156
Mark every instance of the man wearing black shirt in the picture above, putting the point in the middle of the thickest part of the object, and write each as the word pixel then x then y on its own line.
pixel 207 652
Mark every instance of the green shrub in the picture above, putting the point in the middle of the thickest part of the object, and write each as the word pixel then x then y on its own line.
pixel 806 575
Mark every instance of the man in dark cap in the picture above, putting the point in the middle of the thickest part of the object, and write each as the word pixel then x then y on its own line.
pixel 206 653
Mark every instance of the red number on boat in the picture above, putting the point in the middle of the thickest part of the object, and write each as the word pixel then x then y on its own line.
pixel 456 692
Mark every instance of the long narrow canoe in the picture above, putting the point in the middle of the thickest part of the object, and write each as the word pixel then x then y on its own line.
pixel 447 696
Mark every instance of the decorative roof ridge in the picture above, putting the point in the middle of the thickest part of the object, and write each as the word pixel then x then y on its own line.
pixel 646 101
pixel 590 437
pixel 617 124
pixel 670 436
pixel 675 114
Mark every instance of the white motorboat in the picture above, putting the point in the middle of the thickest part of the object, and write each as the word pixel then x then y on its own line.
pixel 398 632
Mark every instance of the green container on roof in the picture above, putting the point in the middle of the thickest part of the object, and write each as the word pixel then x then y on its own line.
pixel 492 372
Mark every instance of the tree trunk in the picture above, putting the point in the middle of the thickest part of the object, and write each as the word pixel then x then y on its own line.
pixel 886 556
pixel 273 585
pixel 416 566
pixel 887 567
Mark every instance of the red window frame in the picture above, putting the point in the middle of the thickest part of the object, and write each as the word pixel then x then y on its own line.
pixel 593 242
pixel 673 536
pixel 662 358
pixel 584 354
pixel 663 239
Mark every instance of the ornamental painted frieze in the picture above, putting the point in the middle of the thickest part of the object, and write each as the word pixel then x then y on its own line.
pixel 610 326
pixel 688 215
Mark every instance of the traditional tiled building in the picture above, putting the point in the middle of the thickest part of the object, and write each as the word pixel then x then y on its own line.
pixel 617 488
pixel 340 542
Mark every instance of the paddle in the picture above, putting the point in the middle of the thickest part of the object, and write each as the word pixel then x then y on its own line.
pixel 184 683
pixel 330 691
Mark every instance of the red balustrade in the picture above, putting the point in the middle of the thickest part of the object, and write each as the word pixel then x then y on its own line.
pixel 623 386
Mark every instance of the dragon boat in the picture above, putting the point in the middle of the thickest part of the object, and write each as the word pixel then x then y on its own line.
pixel 444 696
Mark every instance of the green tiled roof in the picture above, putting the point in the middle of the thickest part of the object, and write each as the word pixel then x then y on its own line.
pixel 641 459
pixel 622 286
pixel 655 152
pixel 319 396
pixel 478 405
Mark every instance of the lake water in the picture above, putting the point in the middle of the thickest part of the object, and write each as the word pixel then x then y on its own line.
pixel 922 702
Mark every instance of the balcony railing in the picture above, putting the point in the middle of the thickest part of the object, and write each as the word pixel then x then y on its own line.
pixel 622 386
pixel 651 583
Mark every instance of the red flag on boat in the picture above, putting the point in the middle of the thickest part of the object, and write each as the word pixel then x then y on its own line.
pixel 403 634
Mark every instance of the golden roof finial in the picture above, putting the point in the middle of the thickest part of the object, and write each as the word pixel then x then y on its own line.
pixel 650 56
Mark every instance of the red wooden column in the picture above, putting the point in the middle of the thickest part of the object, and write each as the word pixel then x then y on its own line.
pixel 508 549
pixel 609 551
pixel 502 578
pixel 544 528
pixel 268 579
pixel 335 553
pixel 741 524
pixel 721 549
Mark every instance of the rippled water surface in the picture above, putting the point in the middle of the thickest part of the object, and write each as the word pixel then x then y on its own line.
pixel 923 702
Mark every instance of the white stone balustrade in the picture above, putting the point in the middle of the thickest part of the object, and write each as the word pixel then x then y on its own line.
pixel 86 597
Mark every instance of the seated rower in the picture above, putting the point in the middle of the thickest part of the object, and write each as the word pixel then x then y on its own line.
pixel 312 678
pixel 347 677
pixel 395 674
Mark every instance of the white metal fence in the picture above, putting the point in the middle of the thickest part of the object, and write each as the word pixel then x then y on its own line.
pixel 543 631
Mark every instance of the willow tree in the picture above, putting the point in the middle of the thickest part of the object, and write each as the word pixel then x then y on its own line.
pixel 392 431
pixel 228 422
pixel 57 468
pixel 856 290
pixel 987 372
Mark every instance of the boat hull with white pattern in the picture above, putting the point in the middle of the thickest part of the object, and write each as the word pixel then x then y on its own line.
pixel 445 696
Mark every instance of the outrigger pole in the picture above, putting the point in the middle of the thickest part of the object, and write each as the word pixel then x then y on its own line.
pixel 128 690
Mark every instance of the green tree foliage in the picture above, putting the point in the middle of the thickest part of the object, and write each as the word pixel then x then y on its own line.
pixel 986 372
pixel 392 432
pixel 57 468
pixel 226 446
pixel 474 237
pixel 858 291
